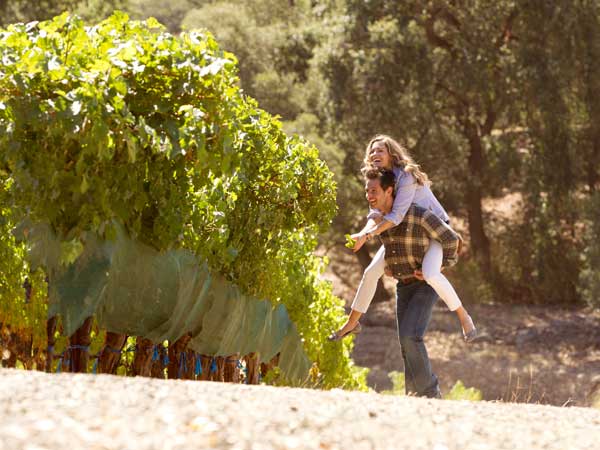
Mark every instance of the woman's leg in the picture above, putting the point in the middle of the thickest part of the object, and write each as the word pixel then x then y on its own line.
pixel 432 273
pixel 368 284
pixel 364 293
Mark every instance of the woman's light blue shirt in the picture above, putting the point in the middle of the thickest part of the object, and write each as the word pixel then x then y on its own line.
pixel 409 191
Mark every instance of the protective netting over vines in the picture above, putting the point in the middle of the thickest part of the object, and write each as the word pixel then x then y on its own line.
pixel 133 289
pixel 158 178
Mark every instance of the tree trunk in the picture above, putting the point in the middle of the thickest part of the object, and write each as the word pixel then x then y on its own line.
pixel 22 349
pixel 231 372
pixel 142 363
pixel 158 364
pixel 266 367
pixel 365 258
pixel 206 363
pixel 219 374
pixel 189 372
pixel 592 173
pixel 252 368
pixel 479 241
pixel 39 359
pixel 9 344
pixel 175 359
pixel 109 358
pixel 79 347
pixel 593 108
pixel 50 331
pixel 11 362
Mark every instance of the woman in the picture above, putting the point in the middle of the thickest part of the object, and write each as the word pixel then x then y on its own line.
pixel 412 186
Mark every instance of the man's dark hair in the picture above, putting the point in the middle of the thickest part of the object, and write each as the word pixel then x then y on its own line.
pixel 386 177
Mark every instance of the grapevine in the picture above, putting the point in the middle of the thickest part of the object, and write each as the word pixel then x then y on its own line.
pixel 124 123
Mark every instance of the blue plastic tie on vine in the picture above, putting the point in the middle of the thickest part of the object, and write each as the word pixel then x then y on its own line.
pixel 64 359
pixel 111 349
pixel 95 366
pixel 239 364
pixel 155 354
pixel 213 366
pixel 67 352
pixel 60 360
pixel 79 347
pixel 198 368
pixel 166 360
pixel 50 348
pixel 182 364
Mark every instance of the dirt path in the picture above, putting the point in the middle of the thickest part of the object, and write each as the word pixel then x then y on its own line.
pixel 40 411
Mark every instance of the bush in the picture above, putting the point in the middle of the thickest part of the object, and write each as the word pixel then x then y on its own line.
pixel 398 383
pixel 460 392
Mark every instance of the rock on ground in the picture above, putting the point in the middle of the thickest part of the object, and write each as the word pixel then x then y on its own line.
pixel 68 412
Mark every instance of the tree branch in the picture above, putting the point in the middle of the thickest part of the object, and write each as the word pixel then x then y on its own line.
pixel 434 39
pixel 451 19
pixel 506 36
pixel 490 119
pixel 461 99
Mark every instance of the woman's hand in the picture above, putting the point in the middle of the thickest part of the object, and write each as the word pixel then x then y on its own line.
pixel 359 239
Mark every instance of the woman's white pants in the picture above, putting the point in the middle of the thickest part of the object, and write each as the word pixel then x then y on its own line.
pixel 432 272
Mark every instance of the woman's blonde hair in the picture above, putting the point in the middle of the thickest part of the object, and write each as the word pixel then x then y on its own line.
pixel 400 158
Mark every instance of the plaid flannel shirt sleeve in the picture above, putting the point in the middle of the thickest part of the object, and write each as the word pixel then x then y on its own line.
pixel 441 231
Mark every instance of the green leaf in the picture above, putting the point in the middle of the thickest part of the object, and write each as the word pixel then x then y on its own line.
pixel 84 185
pixel 76 107
pixel 350 243
pixel 132 144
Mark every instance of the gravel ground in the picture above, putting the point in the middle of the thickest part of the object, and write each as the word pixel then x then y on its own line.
pixel 68 412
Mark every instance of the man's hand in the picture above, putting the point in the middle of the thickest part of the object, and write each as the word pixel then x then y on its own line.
pixel 359 241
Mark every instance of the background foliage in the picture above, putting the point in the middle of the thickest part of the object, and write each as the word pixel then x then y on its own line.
pixel 494 99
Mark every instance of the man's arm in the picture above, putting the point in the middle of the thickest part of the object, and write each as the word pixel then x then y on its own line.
pixel 380 227
pixel 374 227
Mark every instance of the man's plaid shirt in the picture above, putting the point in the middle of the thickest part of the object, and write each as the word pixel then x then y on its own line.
pixel 406 244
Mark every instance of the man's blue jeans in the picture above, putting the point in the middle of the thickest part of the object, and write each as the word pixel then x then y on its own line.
pixel 414 303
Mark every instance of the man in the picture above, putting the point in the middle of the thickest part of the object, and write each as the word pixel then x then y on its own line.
pixel 405 246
